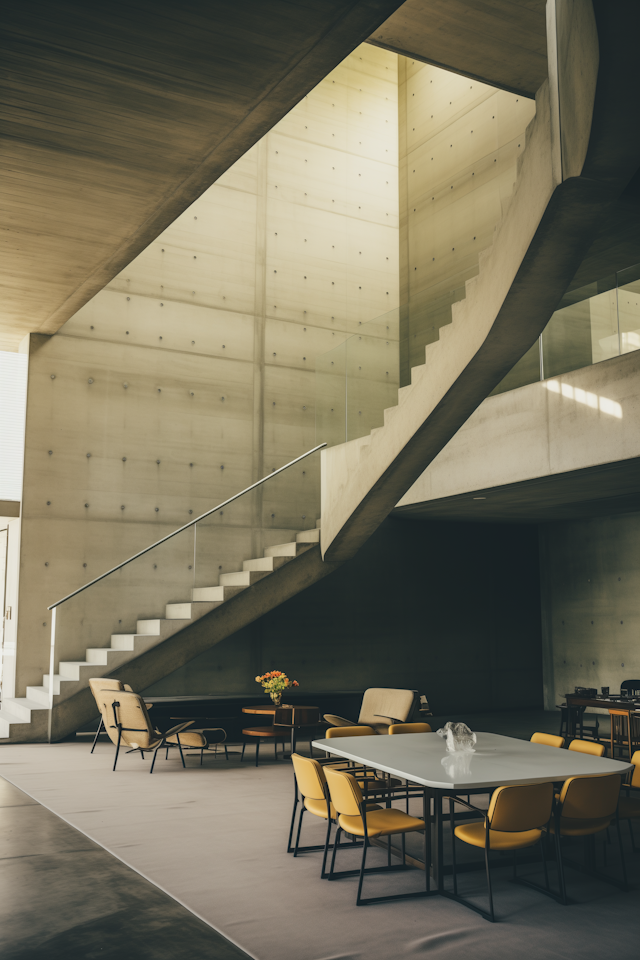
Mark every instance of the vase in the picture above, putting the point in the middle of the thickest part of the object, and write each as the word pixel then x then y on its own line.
pixel 276 699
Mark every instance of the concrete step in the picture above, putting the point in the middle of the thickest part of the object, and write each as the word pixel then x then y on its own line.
pixel 265 563
pixel 308 536
pixel 243 578
pixel 218 594
pixel 293 549
pixel 17 730
pixel 98 655
pixel 159 628
pixel 70 669
pixel 190 610
pixel 123 641
pixel 21 707
pixel 39 695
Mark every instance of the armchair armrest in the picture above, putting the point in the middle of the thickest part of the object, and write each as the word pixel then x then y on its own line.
pixel 336 721
pixel 178 728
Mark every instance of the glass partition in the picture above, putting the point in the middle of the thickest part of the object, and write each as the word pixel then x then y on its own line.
pixel 592 323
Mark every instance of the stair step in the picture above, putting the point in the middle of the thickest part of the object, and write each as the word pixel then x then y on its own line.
pixel 70 669
pixel 190 610
pixel 123 641
pixel 242 578
pixel 154 628
pixel 308 536
pixel 19 708
pixel 286 549
pixel 98 655
pixel 39 695
pixel 265 563
pixel 215 594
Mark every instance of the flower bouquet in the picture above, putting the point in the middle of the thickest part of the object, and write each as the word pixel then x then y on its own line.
pixel 275 683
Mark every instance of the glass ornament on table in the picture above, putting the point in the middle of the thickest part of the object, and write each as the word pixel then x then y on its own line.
pixel 459 737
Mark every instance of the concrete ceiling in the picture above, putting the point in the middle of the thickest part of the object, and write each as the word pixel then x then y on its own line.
pixel 501 42
pixel 598 491
pixel 116 116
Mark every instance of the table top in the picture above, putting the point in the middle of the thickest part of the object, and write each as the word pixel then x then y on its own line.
pixel 267 709
pixel 423 758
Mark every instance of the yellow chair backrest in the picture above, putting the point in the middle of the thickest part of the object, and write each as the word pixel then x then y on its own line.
pixel 521 807
pixel 382 705
pixel 635 777
pixel 590 798
pixel 346 795
pixel 128 710
pixel 309 777
pixel 548 739
pixel 360 731
pixel 409 728
pixel 104 683
pixel 587 746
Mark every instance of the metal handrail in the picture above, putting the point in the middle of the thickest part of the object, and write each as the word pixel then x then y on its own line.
pixel 186 526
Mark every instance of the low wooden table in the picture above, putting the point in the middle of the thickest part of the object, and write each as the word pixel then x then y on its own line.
pixel 267 710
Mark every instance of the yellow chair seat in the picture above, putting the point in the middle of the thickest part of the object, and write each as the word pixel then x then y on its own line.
pixel 629 808
pixel 381 823
pixel 319 808
pixel 474 833
pixel 189 738
pixel 579 828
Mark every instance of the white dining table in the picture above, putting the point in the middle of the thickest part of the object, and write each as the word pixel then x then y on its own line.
pixel 422 759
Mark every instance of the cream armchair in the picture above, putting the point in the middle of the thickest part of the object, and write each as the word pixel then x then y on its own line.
pixel 381 706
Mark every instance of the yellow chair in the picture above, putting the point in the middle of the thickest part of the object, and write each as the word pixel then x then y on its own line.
pixel 586 806
pixel 629 807
pixel 409 728
pixel 547 739
pixel 515 820
pixel 355 819
pixel 587 746
pixel 311 784
pixel 361 730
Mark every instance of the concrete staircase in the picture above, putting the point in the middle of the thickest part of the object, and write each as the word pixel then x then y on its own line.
pixel 26 718
pixel 577 162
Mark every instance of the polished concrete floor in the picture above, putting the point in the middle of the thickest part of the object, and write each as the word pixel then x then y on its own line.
pixel 64 897
pixel 190 863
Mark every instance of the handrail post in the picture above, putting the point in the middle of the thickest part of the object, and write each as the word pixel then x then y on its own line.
pixel 52 660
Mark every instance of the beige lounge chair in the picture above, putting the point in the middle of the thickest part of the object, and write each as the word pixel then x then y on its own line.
pixel 127 722
pixel 381 706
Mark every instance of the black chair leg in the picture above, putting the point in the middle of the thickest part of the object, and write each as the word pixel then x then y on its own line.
pixel 180 749
pixel 336 841
pixel 488 869
pixel 117 750
pixel 302 809
pixel 226 753
pixel 257 751
pixel 293 820
pixel 155 754
pixel 544 862
pixel 362 867
pixel 560 868
pixel 454 865
pixel 244 743
pixel 323 872
pixel 98 732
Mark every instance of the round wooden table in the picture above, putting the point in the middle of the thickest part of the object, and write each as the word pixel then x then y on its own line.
pixel 304 716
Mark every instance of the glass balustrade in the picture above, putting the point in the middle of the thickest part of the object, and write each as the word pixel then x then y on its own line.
pixel 204 562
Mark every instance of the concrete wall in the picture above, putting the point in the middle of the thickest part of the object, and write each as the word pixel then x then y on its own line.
pixel 591 604
pixel 192 373
pixel 450 609
pixel 459 145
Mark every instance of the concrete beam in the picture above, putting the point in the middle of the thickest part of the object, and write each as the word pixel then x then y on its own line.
pixel 500 42
pixel 118 116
